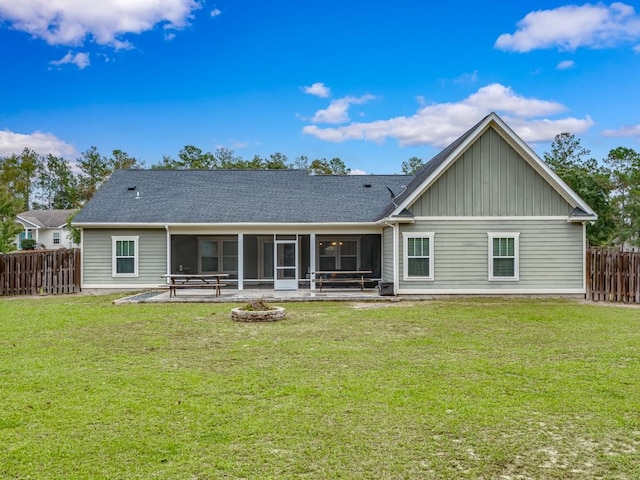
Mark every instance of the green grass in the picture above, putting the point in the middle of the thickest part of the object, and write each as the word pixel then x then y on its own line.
pixel 455 389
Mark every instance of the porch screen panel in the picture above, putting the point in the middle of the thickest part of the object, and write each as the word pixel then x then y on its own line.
pixel 348 255
pixel 327 253
pixel 229 256
pixel 209 255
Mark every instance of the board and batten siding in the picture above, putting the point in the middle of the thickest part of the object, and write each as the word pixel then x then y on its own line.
pixel 490 179
pixel 97 257
pixel 387 254
pixel 551 256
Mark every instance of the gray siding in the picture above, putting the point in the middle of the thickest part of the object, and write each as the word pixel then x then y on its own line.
pixel 97 257
pixel 387 254
pixel 490 179
pixel 551 254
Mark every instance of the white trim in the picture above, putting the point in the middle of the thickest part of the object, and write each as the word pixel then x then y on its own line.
pixel 82 264
pixel 584 256
pixel 168 269
pixel 491 291
pixel 128 238
pixel 493 218
pixel 240 261
pixel 312 261
pixel 21 221
pixel 516 255
pixel 405 258
pixel 396 253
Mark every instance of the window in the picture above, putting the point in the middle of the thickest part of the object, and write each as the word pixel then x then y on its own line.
pixel 56 238
pixel 218 255
pixel 125 256
pixel 503 256
pixel 418 256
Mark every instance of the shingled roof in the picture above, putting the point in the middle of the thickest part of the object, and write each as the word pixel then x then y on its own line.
pixel 239 196
pixel 46 218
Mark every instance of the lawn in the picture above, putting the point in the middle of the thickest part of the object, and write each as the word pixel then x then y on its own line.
pixel 450 389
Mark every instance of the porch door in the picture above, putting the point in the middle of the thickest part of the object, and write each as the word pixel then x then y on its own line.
pixel 286 265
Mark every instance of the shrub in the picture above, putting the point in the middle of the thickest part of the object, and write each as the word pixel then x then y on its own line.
pixel 28 244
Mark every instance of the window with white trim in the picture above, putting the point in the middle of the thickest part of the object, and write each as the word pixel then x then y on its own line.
pixel 56 238
pixel 504 256
pixel 125 256
pixel 418 256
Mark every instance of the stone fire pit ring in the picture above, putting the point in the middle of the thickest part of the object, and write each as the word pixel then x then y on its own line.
pixel 271 315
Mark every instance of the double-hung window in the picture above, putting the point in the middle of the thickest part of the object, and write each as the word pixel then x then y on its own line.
pixel 56 238
pixel 503 256
pixel 418 256
pixel 125 256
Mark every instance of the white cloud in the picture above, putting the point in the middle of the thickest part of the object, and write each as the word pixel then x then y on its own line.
pixel 318 89
pixel 43 143
pixel 440 124
pixel 71 22
pixel 216 12
pixel 565 65
pixel 626 131
pixel 80 60
pixel 573 26
pixel 467 78
pixel 337 111
pixel 357 171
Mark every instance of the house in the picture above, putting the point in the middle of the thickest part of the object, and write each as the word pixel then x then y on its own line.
pixel 484 216
pixel 47 227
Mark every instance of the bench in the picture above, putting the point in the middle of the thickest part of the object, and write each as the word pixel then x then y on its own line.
pixel 343 277
pixel 177 286
pixel 190 281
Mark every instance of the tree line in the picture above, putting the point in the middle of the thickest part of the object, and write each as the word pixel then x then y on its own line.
pixel 29 181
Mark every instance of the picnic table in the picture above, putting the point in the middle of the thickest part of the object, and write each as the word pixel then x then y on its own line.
pixel 178 281
pixel 353 277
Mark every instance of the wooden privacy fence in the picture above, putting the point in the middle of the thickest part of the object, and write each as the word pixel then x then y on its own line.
pixel 613 276
pixel 40 271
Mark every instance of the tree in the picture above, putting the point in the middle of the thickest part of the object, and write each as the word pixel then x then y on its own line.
pixel 17 173
pixel 589 180
pixel 57 185
pixel 411 166
pixel 10 206
pixel 189 158
pixel 322 166
pixel 625 178
pixel 96 169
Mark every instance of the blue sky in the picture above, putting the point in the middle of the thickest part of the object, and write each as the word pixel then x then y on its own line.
pixel 370 82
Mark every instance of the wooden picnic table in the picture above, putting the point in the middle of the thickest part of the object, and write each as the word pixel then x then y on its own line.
pixel 355 277
pixel 178 281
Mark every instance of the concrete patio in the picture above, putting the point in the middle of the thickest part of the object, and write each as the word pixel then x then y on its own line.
pixel 242 296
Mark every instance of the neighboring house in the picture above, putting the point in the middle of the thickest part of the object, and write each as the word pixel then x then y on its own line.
pixel 484 216
pixel 47 227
